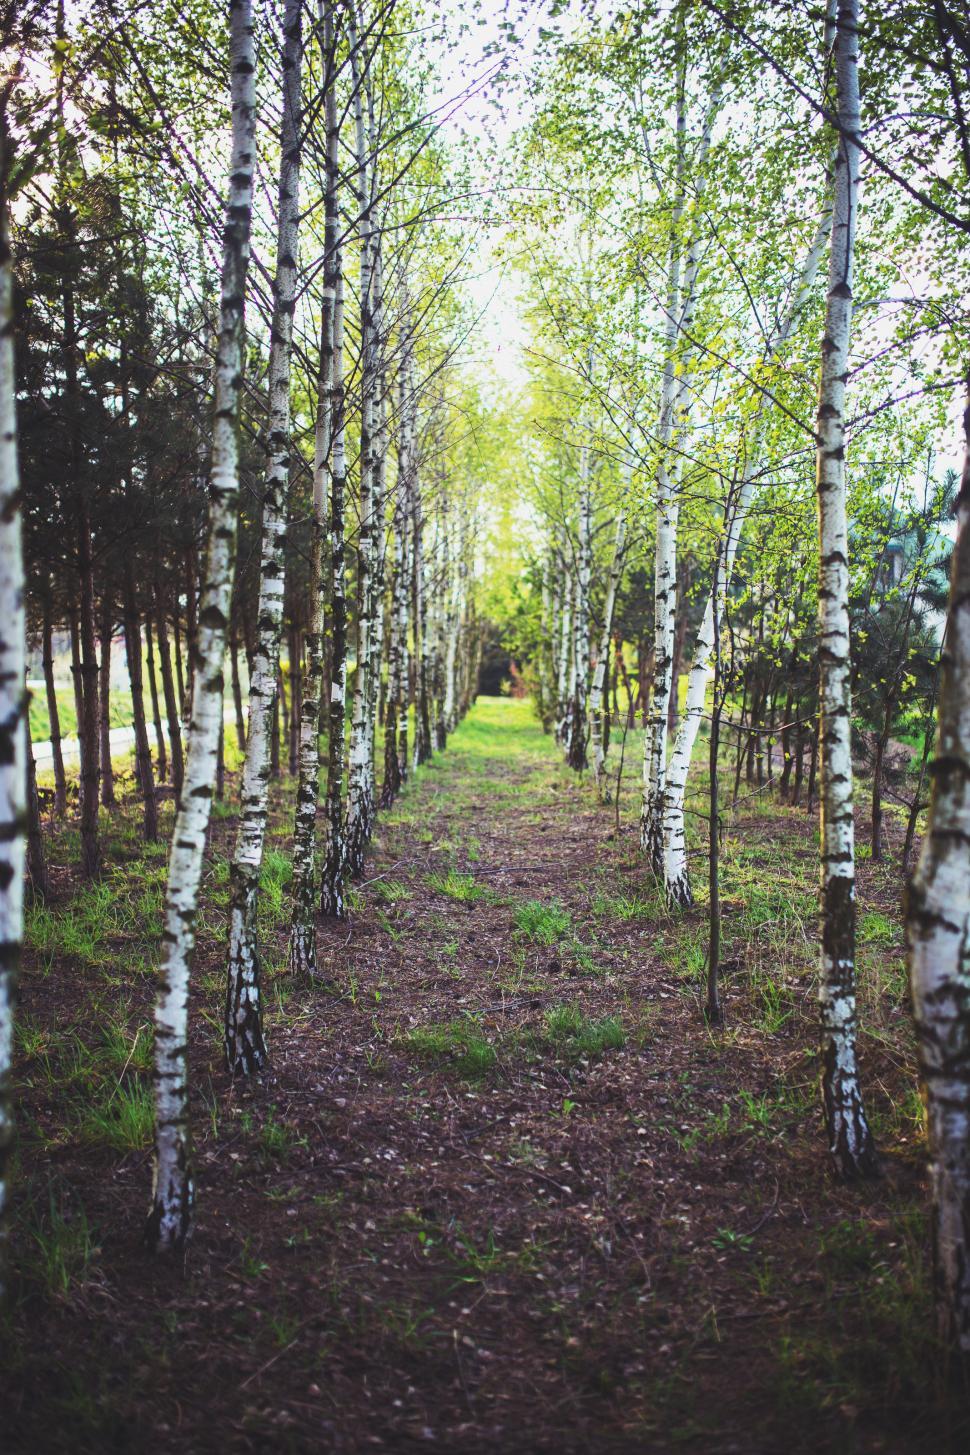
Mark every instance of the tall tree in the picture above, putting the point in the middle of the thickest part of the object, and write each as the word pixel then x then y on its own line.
pixel 849 1138
pixel 245 1046
pixel 170 1219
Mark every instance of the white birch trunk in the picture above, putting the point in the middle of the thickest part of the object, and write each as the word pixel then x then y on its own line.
pixel 13 711
pixel 599 684
pixel 244 1042
pixel 665 563
pixel 360 805
pixel 676 878
pixel 169 1222
pixel 938 931
pixel 332 899
pixel 303 939
pixel 562 673
pixel 850 1142
pixel 579 720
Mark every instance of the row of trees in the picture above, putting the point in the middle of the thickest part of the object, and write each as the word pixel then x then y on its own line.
pixel 729 336
pixel 279 492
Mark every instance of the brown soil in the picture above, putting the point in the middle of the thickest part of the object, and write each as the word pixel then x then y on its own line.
pixel 634 1250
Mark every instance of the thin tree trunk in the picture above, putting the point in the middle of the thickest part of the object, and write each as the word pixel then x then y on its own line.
pixel 185 701
pixel 714 1009
pixel 53 715
pixel 597 690
pixel 244 1042
pixel 170 1220
pixel 104 709
pixel 360 808
pixel 13 709
pixel 579 716
pixel 171 700
pixel 36 858
pixel 143 755
pixel 91 724
pixel 330 456
pixel 333 875
pixel 849 1139
pixel 156 714
pixel 237 701
pixel 680 303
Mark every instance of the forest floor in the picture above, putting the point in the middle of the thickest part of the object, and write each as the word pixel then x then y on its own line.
pixel 501 1189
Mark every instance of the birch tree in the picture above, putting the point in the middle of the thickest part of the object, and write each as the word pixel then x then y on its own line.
pixel 244 1043
pixel 849 1139
pixel 13 692
pixel 170 1219
pixel 360 804
pixel 676 878
pixel 938 930
pixel 302 950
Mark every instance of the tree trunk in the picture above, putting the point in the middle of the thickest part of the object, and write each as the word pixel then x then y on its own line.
pixel 185 702
pixel 579 716
pixel 244 1043
pixel 104 709
pixel 13 712
pixel 330 454
pixel 169 692
pixel 938 930
pixel 360 808
pixel 53 715
pixel 237 701
pixel 849 1139
pixel 156 714
pixel 598 690
pixel 36 858
pixel 143 754
pixel 169 1222
pixel 674 414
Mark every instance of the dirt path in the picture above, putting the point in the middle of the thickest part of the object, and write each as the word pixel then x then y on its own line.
pixel 501 1190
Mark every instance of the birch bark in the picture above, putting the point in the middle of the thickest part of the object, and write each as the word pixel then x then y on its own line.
pixel 597 690
pixel 360 807
pixel 849 1139
pixel 244 1042
pixel 332 901
pixel 938 932
pixel 664 568
pixel 13 708
pixel 578 716
pixel 169 1222
pixel 395 720
pixel 303 950
pixel 676 878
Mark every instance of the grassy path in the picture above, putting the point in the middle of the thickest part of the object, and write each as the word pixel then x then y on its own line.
pixel 501 1190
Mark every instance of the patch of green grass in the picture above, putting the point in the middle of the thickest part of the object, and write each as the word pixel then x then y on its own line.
pixel 461 887
pixel 574 1034
pixel 60 1243
pixel 458 1044
pixel 626 907
pixel 124 1121
pixel 543 924
pixel 391 891
pixel 876 928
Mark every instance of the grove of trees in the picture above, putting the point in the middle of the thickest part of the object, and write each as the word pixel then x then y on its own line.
pixel 255 428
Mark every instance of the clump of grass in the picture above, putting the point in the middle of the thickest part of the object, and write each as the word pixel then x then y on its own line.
pixel 123 1121
pixel 544 924
pixel 576 1035
pixel 461 887
pixel 459 1044
pixel 60 1242
pixel 390 891
pixel 625 907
